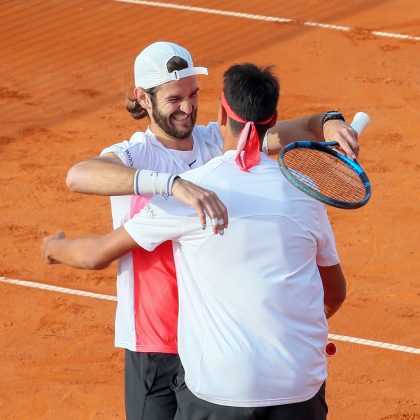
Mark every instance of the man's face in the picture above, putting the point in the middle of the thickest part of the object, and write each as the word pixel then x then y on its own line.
pixel 174 108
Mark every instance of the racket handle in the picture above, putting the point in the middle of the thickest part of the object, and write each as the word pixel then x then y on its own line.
pixel 330 349
pixel 360 121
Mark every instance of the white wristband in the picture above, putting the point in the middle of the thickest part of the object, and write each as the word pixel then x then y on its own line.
pixel 264 147
pixel 152 182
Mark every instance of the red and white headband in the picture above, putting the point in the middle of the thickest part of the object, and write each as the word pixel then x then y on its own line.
pixel 248 148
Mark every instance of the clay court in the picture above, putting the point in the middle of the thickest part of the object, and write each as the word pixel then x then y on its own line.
pixel 65 69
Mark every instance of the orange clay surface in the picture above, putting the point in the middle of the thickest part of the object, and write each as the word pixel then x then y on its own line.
pixel 65 68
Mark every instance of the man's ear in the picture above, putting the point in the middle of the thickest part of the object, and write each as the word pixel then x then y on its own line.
pixel 274 120
pixel 222 116
pixel 142 98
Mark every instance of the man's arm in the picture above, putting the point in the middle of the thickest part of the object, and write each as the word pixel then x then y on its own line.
pixel 92 253
pixel 334 284
pixel 147 229
pixel 310 128
pixel 103 175
pixel 107 175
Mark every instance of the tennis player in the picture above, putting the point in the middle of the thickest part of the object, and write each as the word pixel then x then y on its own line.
pixel 253 303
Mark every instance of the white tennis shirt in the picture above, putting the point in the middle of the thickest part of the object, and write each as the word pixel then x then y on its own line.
pixel 252 329
pixel 147 309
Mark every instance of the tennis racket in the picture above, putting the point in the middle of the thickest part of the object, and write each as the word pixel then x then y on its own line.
pixel 325 174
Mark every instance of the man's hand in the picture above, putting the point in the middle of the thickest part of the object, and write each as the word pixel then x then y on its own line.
pixel 344 135
pixel 44 247
pixel 203 202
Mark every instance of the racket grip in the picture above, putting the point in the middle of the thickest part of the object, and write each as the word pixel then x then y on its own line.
pixel 360 121
pixel 330 349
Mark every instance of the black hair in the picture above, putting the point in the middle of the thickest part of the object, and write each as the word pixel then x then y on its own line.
pixel 252 93
pixel 131 104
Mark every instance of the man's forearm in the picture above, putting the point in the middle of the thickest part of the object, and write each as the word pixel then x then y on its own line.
pixel 311 128
pixel 287 131
pixel 92 253
pixel 101 177
pixel 330 310
pixel 334 284
pixel 77 253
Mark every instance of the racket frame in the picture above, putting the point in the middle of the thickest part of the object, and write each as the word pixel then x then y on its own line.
pixel 326 148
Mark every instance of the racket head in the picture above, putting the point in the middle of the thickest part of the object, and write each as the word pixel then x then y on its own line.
pixel 303 177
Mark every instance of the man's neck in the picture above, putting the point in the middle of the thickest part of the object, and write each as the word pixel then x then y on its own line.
pixel 230 141
pixel 171 142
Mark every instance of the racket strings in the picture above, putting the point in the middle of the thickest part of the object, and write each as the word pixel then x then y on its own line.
pixel 325 174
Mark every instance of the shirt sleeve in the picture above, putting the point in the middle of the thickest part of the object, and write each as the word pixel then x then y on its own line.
pixel 120 149
pixel 160 220
pixel 326 248
pixel 133 153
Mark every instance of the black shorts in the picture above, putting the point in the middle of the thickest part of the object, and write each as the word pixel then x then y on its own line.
pixel 191 407
pixel 148 394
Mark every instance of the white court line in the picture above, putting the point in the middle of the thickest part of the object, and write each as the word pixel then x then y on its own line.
pixel 372 343
pixel 336 337
pixel 271 19
pixel 56 289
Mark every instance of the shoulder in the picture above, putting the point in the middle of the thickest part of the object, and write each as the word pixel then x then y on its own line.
pixel 208 133
pixel 138 139
pixel 198 174
pixel 211 128
pixel 135 152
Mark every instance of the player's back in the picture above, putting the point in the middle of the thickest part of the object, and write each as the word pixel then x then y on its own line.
pixel 255 294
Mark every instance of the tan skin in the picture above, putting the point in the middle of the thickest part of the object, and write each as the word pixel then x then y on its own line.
pixel 334 284
pixel 96 253
pixel 179 97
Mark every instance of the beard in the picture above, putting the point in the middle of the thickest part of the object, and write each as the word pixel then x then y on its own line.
pixel 164 123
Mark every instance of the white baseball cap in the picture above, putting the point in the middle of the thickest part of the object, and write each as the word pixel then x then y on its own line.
pixel 150 68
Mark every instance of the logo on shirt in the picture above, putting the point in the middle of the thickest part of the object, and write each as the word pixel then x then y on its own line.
pixel 129 158
pixel 192 163
pixel 149 211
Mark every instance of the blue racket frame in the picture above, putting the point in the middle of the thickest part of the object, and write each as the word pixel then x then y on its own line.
pixel 326 148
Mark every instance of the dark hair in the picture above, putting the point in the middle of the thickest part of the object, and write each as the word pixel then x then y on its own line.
pixel 131 104
pixel 252 93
